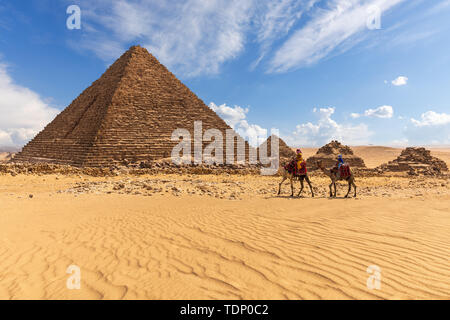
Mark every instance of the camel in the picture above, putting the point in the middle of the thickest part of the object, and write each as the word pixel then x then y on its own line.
pixel 286 175
pixel 335 176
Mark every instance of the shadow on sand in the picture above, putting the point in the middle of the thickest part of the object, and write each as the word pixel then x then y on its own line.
pixel 308 197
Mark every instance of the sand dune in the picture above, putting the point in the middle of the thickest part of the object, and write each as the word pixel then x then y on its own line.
pixel 201 247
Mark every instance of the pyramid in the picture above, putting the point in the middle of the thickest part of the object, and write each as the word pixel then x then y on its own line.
pixel 328 155
pixel 416 160
pixel 129 114
pixel 286 153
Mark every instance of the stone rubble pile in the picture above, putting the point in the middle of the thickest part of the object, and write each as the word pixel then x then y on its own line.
pixel 328 155
pixel 155 167
pixel 416 161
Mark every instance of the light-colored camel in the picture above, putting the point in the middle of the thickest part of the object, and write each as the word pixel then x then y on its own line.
pixel 335 176
pixel 286 175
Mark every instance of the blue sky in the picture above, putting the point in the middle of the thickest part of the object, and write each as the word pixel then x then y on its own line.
pixel 314 70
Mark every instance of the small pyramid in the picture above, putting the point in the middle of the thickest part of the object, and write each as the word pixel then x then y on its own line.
pixel 128 114
pixel 416 160
pixel 328 155
pixel 286 153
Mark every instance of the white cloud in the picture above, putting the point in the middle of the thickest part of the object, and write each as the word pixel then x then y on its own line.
pixel 330 28
pixel 196 37
pixel 236 119
pixel 439 8
pixel 23 112
pixel 400 81
pixel 232 116
pixel 383 112
pixel 190 37
pixel 431 118
pixel 327 129
pixel 432 129
pixel 275 19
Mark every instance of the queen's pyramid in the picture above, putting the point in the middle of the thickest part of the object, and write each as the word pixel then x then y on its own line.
pixel 129 113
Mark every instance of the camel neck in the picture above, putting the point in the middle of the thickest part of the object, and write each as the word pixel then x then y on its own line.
pixel 327 172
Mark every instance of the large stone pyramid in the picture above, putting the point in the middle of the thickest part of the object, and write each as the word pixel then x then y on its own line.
pixel 328 155
pixel 128 114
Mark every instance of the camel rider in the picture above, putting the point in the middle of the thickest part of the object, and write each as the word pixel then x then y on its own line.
pixel 340 161
pixel 300 161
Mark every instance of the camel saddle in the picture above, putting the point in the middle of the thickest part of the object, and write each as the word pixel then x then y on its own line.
pixel 292 168
pixel 344 171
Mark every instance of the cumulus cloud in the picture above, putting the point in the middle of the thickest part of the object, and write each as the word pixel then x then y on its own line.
pixel 331 28
pixel 327 129
pixel 235 117
pixel 400 81
pixel 383 112
pixel 432 128
pixel 24 113
pixel 431 118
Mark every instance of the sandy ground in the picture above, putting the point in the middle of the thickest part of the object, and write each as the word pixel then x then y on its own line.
pixel 217 237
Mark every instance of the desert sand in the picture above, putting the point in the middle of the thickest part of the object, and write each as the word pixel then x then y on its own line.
pixel 222 237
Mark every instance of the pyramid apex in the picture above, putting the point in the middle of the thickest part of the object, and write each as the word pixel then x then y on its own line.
pixel 137 48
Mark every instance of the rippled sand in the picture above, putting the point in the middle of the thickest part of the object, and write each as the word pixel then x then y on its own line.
pixel 166 244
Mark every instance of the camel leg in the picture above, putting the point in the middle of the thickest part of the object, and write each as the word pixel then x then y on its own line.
pixel 302 186
pixel 334 184
pixel 354 186
pixel 292 186
pixel 279 186
pixel 310 186
pixel 349 188
pixel 331 192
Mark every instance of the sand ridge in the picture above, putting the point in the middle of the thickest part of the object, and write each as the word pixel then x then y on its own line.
pixel 179 245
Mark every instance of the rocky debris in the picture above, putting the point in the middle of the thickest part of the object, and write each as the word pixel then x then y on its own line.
pixel 328 155
pixel 163 187
pixel 267 187
pixel 416 161
pixel 126 116
pixel 157 167
pixel 153 167
pixel 14 168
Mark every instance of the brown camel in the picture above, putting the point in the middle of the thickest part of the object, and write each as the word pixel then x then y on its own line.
pixel 286 175
pixel 335 176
